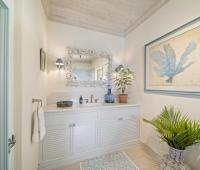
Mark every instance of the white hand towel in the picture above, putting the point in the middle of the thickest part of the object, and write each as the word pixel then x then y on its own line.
pixel 35 132
pixel 42 128
pixel 38 126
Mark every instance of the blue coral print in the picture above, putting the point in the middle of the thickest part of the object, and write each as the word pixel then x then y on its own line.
pixel 167 66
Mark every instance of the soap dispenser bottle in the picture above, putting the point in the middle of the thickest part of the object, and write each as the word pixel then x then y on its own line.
pixel 81 100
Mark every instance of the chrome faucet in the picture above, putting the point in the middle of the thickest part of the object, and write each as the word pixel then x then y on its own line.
pixel 91 98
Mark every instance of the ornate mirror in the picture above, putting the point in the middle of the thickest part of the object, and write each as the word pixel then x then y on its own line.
pixel 87 67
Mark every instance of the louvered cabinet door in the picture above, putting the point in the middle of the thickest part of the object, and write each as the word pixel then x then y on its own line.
pixel 118 126
pixel 83 136
pixel 57 143
pixel 108 132
pixel 128 129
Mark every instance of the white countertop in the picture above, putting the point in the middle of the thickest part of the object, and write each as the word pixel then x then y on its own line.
pixel 54 108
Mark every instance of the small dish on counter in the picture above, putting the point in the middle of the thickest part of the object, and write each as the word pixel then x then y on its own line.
pixel 64 104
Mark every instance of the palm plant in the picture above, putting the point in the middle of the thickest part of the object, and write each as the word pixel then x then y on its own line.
pixel 124 78
pixel 177 130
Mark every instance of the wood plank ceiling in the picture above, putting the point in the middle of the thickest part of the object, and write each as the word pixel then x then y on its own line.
pixel 117 17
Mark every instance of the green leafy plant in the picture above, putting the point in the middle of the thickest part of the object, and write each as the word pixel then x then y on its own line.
pixel 124 78
pixel 176 129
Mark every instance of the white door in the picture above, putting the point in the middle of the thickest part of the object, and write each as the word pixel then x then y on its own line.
pixel 4 86
pixel 109 132
pixel 128 129
pixel 8 64
pixel 84 136
pixel 57 143
pixel 119 130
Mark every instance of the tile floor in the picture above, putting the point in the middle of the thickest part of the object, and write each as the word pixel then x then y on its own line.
pixel 141 155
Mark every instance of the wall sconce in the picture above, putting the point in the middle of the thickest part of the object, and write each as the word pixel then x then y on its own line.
pixel 59 63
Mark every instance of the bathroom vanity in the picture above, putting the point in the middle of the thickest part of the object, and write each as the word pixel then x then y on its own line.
pixel 78 133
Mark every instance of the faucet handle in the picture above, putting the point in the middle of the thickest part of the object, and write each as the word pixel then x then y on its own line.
pixel 96 100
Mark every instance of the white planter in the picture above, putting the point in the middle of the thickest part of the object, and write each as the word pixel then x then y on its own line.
pixel 174 160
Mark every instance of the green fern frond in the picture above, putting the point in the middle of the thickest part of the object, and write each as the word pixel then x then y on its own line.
pixel 176 129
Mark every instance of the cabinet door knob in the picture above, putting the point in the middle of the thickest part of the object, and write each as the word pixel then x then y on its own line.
pixel 72 125
pixel 121 118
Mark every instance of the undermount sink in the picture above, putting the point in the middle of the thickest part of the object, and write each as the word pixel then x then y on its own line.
pixel 92 104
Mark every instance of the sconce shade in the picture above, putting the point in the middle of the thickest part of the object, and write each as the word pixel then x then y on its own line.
pixel 59 63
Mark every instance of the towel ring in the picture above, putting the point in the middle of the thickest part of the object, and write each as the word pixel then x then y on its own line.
pixel 39 101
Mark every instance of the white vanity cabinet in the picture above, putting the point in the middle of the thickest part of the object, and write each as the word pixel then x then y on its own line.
pixel 79 133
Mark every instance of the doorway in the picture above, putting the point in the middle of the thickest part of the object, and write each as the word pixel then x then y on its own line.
pixel 3 86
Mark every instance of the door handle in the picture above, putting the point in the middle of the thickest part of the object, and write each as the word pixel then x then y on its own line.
pixel 72 125
pixel 11 143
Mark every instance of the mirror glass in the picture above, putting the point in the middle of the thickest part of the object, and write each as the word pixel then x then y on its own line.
pixel 88 66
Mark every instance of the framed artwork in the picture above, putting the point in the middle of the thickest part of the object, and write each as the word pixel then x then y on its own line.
pixel 172 62
pixel 42 60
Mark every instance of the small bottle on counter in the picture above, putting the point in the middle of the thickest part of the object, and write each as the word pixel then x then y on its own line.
pixel 81 100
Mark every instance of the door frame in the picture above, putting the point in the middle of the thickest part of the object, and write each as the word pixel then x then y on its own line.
pixel 3 86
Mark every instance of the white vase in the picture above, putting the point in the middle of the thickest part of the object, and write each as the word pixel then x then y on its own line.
pixel 173 161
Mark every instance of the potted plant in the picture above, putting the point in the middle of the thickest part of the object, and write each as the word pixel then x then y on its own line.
pixel 123 78
pixel 179 132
